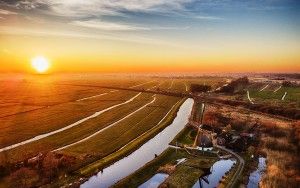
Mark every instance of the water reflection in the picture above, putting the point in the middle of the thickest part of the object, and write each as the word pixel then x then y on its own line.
pixel 144 154
pixel 217 171
pixel 255 176
pixel 155 181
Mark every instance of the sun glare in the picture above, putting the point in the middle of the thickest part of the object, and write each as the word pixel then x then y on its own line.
pixel 40 64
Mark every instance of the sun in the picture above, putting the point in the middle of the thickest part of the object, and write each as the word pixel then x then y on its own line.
pixel 40 64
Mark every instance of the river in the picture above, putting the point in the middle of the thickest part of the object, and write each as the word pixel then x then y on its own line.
pixel 127 165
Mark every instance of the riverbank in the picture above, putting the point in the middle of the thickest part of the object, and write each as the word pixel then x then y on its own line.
pixel 83 174
pixel 133 145
pixel 132 162
pixel 183 169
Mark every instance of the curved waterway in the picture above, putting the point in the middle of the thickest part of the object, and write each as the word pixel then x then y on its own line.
pixel 217 171
pixel 127 165
pixel 256 175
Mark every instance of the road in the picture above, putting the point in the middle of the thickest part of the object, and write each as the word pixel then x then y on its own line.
pixel 240 167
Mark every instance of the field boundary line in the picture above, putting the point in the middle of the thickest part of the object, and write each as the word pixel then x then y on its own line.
pixel 283 97
pixel 102 94
pixel 264 87
pixel 248 96
pixel 107 127
pixel 277 89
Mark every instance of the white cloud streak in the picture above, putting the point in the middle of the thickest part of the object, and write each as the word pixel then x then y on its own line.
pixel 81 8
pixel 71 34
pixel 7 12
pixel 109 26
pixel 208 18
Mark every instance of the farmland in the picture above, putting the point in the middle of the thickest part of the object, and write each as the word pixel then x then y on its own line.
pixel 61 115
pixel 73 125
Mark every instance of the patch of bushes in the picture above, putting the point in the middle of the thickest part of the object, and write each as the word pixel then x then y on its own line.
pixel 288 112
pixel 39 170
pixel 289 84
pixel 200 88
pixel 234 85
pixel 24 177
pixel 274 144
pixel 295 134
pixel 271 129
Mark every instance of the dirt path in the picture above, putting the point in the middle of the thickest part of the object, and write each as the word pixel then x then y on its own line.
pixel 186 88
pixel 283 97
pixel 102 94
pixel 248 96
pixel 91 97
pixel 149 129
pixel 239 169
pixel 277 89
pixel 156 86
pixel 171 84
pixel 264 87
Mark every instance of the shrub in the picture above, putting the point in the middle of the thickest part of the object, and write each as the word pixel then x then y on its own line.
pixel 295 133
pixel 200 88
pixel 235 84
pixel 24 177
pixel 274 144
pixel 50 165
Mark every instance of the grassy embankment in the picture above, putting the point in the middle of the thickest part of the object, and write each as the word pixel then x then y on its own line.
pixel 90 169
pixel 182 175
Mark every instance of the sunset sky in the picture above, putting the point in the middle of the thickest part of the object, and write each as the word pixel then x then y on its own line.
pixel 151 35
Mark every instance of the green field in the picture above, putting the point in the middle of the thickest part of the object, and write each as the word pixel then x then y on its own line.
pixel 272 93
pixel 23 126
pixel 62 115
pixel 293 94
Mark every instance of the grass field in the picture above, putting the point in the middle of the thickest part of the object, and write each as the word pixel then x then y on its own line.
pixel 24 126
pixel 293 94
pixel 77 118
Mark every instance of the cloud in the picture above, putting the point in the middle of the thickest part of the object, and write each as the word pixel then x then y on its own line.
pixel 208 18
pixel 7 30
pixel 111 26
pixel 7 12
pixel 102 25
pixel 99 7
